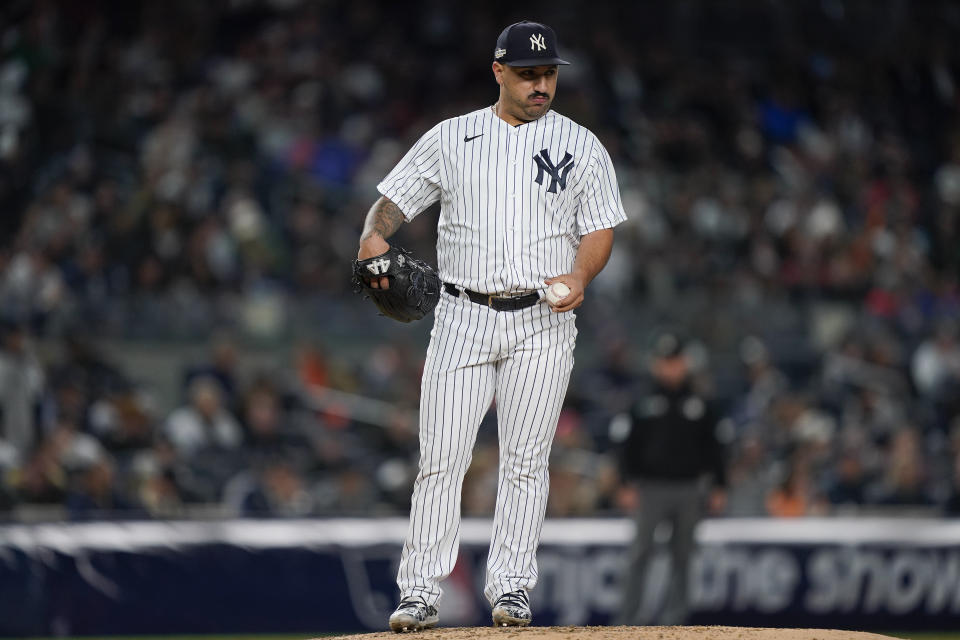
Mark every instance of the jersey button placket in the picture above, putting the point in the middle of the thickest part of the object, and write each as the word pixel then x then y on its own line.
pixel 506 211
pixel 504 319
pixel 512 187
pixel 516 200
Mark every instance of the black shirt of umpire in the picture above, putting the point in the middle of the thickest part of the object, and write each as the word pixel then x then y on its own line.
pixel 673 435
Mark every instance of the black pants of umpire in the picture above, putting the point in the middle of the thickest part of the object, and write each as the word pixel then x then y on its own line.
pixel 681 504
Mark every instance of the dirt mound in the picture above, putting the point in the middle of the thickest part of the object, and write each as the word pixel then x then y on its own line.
pixel 621 633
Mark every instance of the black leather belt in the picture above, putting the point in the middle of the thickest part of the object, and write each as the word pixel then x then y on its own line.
pixel 497 303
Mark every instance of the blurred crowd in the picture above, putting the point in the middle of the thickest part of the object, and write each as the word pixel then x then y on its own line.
pixel 171 171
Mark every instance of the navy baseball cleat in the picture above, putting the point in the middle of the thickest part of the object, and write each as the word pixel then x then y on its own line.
pixel 413 614
pixel 512 609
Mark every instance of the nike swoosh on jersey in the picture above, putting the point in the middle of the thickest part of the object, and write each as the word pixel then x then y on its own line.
pixel 466 139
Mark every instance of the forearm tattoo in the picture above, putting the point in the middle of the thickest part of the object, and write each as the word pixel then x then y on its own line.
pixel 383 220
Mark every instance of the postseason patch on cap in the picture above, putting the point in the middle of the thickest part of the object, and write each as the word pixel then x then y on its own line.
pixel 499 53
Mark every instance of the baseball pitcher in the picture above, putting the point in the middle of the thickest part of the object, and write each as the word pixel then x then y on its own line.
pixel 529 200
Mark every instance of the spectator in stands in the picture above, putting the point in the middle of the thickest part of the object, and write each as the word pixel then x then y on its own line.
pixel 273 488
pixel 848 484
pixel 936 362
pixel 156 488
pixel 607 389
pixel 204 423
pixel 22 383
pixel 951 507
pixel 577 486
pixel 793 497
pixel 750 477
pixel 904 481
pixel 41 479
pixel 122 420
pixel 81 375
pixel 9 463
pixel 766 382
pixel 165 483
pixel 222 366
pixel 350 490
pixel 313 367
pixel 207 441
pixel 270 430
pixel 93 492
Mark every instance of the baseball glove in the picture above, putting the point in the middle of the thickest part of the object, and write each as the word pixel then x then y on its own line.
pixel 414 285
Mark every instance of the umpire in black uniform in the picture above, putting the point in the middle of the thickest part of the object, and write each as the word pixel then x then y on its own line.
pixel 671 453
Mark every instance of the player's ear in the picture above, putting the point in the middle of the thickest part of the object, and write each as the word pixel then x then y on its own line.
pixel 498 72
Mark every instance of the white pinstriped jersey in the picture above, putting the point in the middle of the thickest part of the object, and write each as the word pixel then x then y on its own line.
pixel 514 200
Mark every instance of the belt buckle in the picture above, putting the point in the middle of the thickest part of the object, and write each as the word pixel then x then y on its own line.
pixel 509 296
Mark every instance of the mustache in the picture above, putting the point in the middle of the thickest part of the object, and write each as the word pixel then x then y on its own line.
pixel 537 94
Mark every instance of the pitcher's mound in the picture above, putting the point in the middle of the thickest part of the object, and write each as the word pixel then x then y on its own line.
pixel 620 633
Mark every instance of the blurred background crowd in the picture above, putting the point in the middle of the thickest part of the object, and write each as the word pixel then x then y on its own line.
pixel 186 181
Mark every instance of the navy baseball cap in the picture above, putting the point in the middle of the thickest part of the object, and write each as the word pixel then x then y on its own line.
pixel 527 44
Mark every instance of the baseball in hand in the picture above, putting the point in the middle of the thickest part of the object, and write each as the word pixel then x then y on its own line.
pixel 557 292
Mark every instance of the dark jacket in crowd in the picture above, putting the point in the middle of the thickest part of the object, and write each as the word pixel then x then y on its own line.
pixel 673 437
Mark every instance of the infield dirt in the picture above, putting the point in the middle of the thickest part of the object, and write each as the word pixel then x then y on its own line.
pixel 620 633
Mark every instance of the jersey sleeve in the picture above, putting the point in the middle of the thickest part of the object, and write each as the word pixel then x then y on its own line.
pixel 600 206
pixel 414 184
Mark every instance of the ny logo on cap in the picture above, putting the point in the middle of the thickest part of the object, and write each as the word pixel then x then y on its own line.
pixel 537 42
pixel 558 173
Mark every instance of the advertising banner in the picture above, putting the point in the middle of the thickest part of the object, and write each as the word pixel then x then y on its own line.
pixel 318 576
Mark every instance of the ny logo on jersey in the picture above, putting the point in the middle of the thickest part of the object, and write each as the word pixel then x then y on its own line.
pixel 378 266
pixel 537 42
pixel 558 173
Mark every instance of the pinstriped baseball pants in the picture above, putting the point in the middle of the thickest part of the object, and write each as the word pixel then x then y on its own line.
pixel 524 359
